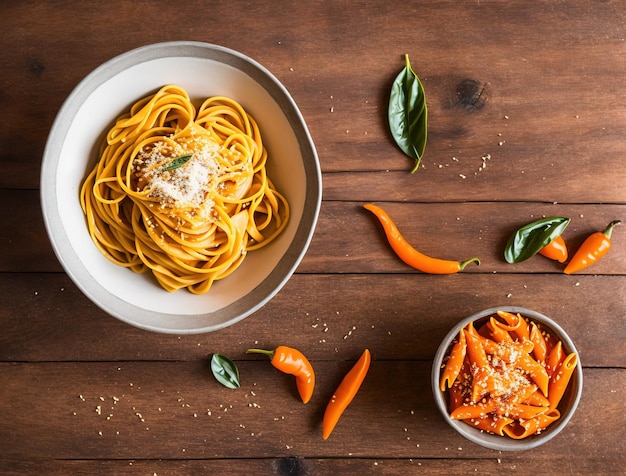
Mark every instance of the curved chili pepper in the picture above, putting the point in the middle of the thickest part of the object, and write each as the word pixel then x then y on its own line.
pixel 556 250
pixel 345 393
pixel 293 362
pixel 593 248
pixel 410 255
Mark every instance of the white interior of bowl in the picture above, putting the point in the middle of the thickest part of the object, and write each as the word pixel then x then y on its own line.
pixel 568 404
pixel 202 70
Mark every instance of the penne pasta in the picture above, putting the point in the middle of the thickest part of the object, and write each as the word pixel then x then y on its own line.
pixel 454 363
pixel 457 395
pixel 473 410
pixel 560 379
pixel 522 411
pixel 507 376
pixel 554 358
pixel 512 322
pixel 524 429
pixel 491 424
pixel 540 349
pixel 536 371
pixel 497 332
pixel 525 394
pixel 537 399
pixel 475 350
pixel 522 331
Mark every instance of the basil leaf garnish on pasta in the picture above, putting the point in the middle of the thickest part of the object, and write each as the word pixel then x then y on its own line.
pixel 178 162
pixel 225 371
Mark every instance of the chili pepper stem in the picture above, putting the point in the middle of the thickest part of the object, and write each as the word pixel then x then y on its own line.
pixel 609 229
pixel 269 353
pixel 463 264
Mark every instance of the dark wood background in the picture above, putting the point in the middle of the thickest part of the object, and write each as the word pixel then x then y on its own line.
pixel 527 117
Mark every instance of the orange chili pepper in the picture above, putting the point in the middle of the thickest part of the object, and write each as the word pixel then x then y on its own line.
pixel 410 255
pixel 293 362
pixel 593 248
pixel 345 393
pixel 556 250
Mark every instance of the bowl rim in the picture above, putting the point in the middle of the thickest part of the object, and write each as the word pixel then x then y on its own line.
pixel 497 442
pixel 304 231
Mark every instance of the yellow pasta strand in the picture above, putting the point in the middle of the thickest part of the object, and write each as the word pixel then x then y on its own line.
pixel 182 194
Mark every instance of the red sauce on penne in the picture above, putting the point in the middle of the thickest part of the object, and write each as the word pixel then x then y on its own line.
pixel 507 376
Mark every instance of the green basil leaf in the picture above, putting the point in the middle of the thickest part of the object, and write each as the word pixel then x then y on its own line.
pixel 225 371
pixel 531 238
pixel 178 162
pixel 408 114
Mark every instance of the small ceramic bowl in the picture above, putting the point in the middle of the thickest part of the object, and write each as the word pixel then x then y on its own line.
pixel 566 407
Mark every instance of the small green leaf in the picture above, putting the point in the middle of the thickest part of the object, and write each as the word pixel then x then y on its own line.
pixel 408 114
pixel 178 162
pixel 528 240
pixel 225 371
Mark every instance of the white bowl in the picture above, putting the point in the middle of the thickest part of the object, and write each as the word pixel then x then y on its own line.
pixel 567 405
pixel 203 70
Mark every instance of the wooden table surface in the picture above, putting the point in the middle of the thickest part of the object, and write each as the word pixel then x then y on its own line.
pixel 527 118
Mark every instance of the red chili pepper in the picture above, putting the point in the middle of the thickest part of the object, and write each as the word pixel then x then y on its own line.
pixel 292 362
pixel 593 248
pixel 345 393
pixel 556 250
pixel 410 255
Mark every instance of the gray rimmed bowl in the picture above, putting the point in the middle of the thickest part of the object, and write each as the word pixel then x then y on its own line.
pixel 567 406
pixel 203 70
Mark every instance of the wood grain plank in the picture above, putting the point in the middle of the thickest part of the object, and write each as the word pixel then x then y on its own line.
pixel 24 242
pixel 467 183
pixel 348 239
pixel 490 466
pixel 177 411
pixel 46 318
pixel 553 119
pixel 525 121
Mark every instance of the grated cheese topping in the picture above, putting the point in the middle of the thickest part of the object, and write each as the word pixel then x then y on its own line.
pixel 187 190
pixel 503 375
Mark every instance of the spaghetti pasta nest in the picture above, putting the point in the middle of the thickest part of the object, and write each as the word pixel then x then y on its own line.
pixel 182 193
